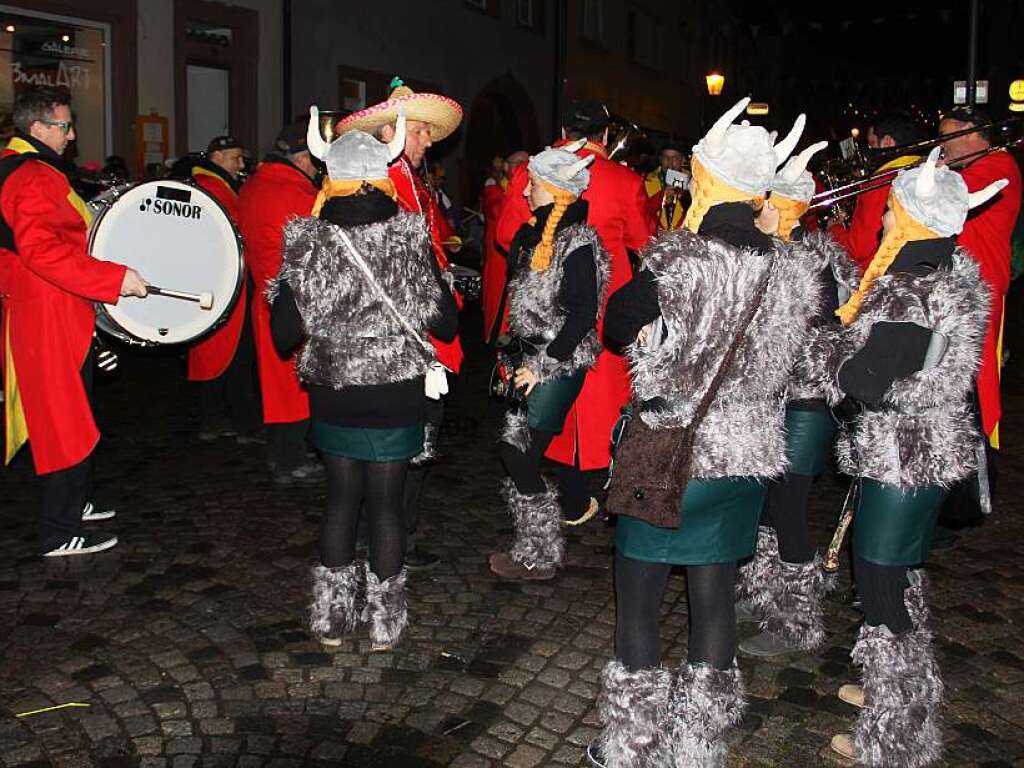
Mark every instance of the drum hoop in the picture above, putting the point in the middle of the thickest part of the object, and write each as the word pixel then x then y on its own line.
pixel 102 307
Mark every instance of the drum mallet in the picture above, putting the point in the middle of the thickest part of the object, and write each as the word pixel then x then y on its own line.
pixel 204 299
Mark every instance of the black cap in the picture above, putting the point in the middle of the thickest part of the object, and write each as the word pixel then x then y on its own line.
pixel 219 143
pixel 587 117
pixel 292 138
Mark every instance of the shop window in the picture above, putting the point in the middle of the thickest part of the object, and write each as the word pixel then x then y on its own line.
pixel 60 52
pixel 211 34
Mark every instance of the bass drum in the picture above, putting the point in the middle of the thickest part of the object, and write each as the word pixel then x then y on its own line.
pixel 177 237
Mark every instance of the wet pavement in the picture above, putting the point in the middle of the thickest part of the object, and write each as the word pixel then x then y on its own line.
pixel 188 643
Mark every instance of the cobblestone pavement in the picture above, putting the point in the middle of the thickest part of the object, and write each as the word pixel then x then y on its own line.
pixel 188 643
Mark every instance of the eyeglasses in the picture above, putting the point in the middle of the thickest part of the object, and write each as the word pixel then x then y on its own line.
pixel 65 125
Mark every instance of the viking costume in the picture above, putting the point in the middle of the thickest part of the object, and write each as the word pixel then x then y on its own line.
pixel 695 286
pixel 907 353
pixel 359 284
pixel 782 586
pixel 558 274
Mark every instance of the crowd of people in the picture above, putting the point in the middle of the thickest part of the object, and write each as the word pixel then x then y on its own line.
pixel 702 350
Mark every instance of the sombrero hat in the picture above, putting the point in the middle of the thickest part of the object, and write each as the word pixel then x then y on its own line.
pixel 442 113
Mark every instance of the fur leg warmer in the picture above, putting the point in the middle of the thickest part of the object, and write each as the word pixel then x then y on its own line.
pixel 901 725
pixel 705 703
pixel 387 610
pixel 516 430
pixel 538 539
pixel 759 580
pixel 632 708
pixel 333 610
pixel 796 616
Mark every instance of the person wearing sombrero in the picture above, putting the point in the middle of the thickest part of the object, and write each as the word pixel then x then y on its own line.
pixel 430 118
pixel 783 585
pixel 712 324
pixel 558 274
pixel 907 353
pixel 358 291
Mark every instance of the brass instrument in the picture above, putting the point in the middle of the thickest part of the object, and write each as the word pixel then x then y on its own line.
pixel 328 119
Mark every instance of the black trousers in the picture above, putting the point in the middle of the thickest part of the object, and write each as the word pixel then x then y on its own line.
pixel 232 399
pixel 63 494
pixel 286 445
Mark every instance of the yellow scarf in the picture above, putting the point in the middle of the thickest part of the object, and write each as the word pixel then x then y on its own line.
pixel 710 191
pixel 332 188
pixel 905 230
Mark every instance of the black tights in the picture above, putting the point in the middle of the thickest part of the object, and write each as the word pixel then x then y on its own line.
pixel 785 510
pixel 377 485
pixel 524 467
pixel 639 589
pixel 881 590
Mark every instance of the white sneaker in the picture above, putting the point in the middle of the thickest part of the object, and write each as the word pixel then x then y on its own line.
pixel 92 515
pixel 83 545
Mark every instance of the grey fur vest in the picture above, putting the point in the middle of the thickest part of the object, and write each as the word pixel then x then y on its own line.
pixel 353 337
pixel 534 310
pixel 924 432
pixel 820 252
pixel 704 286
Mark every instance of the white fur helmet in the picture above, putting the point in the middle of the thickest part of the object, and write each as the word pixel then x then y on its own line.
pixel 563 168
pixel 354 156
pixel 938 198
pixel 794 181
pixel 745 156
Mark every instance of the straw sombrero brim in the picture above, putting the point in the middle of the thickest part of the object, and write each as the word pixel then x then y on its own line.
pixel 442 113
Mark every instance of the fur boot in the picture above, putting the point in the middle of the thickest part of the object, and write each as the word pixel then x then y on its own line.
pixel 705 703
pixel 538 540
pixel 632 707
pixel 901 724
pixel 332 613
pixel 797 617
pixel 386 608
pixel 758 582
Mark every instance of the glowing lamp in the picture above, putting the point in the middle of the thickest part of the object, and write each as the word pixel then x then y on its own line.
pixel 716 82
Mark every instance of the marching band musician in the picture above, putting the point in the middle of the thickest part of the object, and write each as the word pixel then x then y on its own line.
pixel 714 321
pixel 223 362
pixel 907 352
pixel 782 586
pixel 616 209
pixel 281 188
pixel 359 288
pixel 49 283
pixel 665 201
pixel 557 275
pixel 430 118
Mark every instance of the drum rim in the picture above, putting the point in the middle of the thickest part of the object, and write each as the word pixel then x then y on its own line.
pixel 101 307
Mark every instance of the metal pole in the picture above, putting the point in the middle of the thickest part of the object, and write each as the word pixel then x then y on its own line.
pixel 972 55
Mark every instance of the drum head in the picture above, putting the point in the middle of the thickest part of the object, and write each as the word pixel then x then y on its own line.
pixel 178 237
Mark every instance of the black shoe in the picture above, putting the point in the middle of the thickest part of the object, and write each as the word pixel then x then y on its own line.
pixel 83 545
pixel 417 559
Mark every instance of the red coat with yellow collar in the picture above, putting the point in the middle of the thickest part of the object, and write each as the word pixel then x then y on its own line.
pixel 49 283
pixel 617 205
pixel 211 357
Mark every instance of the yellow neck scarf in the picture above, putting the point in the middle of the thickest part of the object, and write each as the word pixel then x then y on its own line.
pixel 333 188
pixel 905 229
pixel 711 191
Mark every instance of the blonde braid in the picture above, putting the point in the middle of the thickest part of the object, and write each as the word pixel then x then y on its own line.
pixel 790 211
pixel 541 258
pixel 710 191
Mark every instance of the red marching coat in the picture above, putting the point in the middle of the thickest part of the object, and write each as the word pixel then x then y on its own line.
pixel 494 267
pixel 49 285
pixel 413 195
pixel 211 357
pixel 986 237
pixel 618 211
pixel 277 192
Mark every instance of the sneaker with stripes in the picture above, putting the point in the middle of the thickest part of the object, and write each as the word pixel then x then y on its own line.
pixel 91 515
pixel 83 545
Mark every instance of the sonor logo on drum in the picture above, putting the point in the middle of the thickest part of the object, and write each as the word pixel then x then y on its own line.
pixel 172 202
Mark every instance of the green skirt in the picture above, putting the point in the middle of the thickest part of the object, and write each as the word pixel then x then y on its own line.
pixel 893 527
pixel 549 403
pixel 719 525
pixel 809 436
pixel 363 444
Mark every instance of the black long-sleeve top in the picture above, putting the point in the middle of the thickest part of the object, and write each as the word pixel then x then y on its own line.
pixel 577 294
pixel 374 406
pixel 636 304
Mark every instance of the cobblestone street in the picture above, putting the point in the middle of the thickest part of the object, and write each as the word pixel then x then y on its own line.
pixel 187 641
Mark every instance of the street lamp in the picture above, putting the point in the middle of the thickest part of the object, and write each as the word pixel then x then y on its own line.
pixel 716 82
